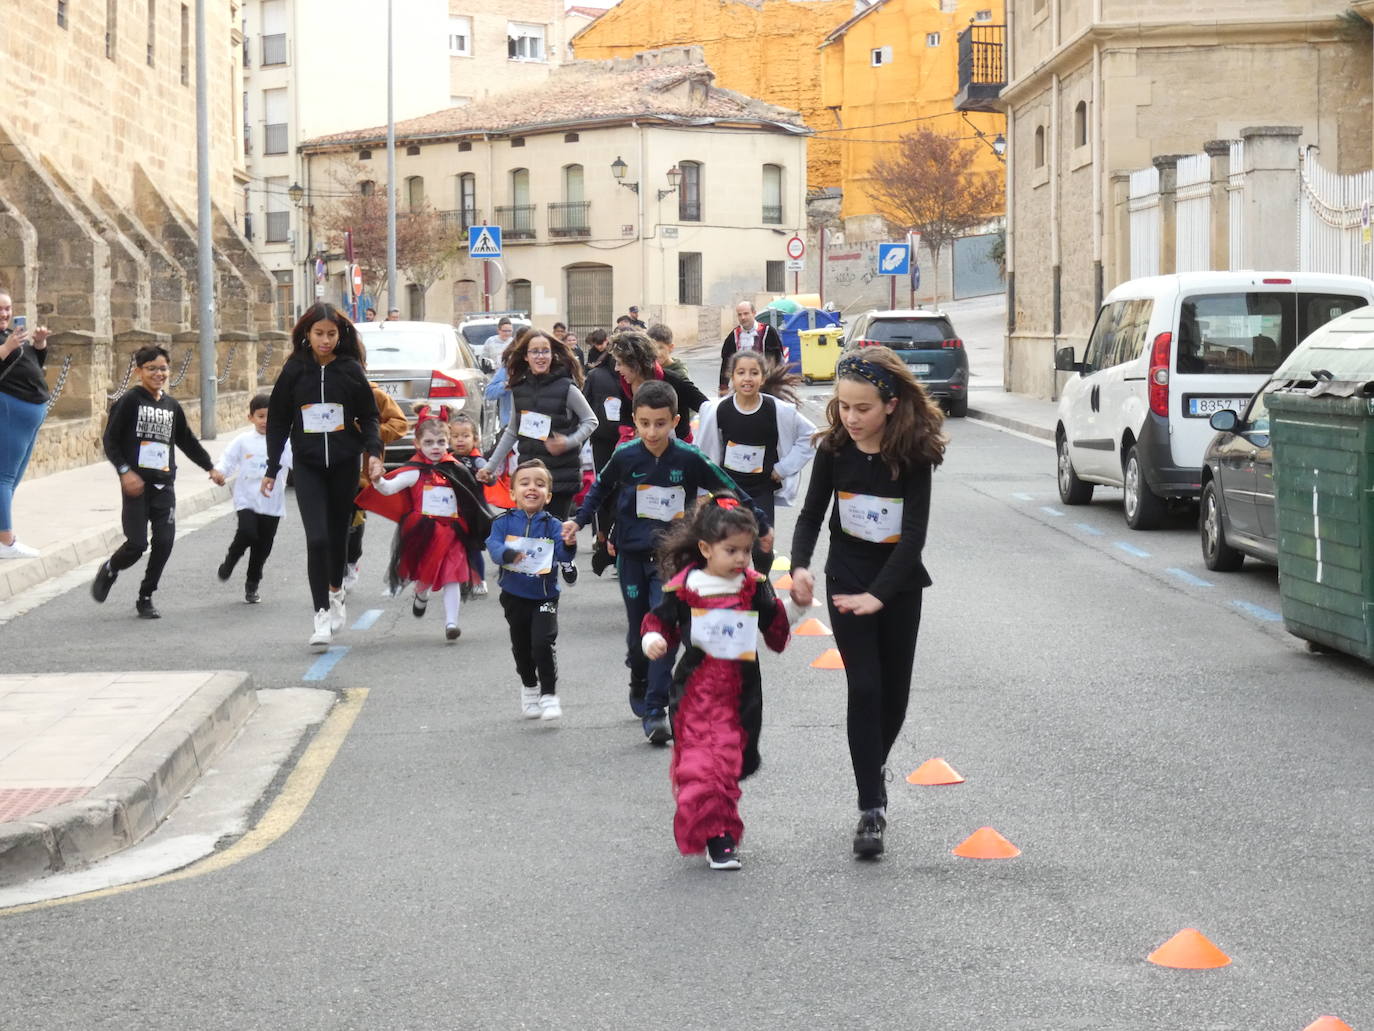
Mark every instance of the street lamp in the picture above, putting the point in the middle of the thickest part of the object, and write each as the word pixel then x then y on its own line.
pixel 296 192
pixel 674 174
pixel 618 170
pixel 999 145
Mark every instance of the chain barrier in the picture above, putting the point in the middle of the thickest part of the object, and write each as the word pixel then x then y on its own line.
pixel 181 373
pixel 128 374
pixel 229 363
pixel 266 360
pixel 61 382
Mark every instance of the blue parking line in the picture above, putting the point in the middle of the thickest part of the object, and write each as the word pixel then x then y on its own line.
pixel 1258 611
pixel 366 620
pixel 1091 531
pixel 1050 511
pixel 1130 549
pixel 1189 578
pixel 321 666
pixel 1023 497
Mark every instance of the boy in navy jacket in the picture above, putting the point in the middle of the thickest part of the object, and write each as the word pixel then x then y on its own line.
pixel 657 476
pixel 527 544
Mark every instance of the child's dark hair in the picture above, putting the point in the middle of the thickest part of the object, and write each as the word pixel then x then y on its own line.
pixel 461 420
pixel 655 394
pixel 259 402
pixel 595 337
pixel 537 466
pixel 319 312
pixel 660 334
pixel 716 517
pixel 425 417
pixel 149 353
pixel 633 348
pixel 778 380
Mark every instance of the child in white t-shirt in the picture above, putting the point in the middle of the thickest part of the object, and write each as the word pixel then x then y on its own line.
pixel 245 460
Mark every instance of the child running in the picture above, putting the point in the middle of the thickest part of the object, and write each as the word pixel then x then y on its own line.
pixel 439 511
pixel 656 475
pixel 718 607
pixel 463 444
pixel 757 435
pixel 527 544
pixel 143 430
pixel 873 471
pixel 245 459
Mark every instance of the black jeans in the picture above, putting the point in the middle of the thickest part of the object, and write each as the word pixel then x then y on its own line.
pixel 763 560
pixel 533 639
pixel 325 498
pixel 255 535
pixel 878 653
pixel 155 509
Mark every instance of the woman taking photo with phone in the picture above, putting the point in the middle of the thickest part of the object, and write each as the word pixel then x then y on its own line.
pixel 24 400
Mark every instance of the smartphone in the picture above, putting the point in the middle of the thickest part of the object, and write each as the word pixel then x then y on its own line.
pixel 19 321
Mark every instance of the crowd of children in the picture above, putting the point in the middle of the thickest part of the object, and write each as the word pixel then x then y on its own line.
pixel 689 528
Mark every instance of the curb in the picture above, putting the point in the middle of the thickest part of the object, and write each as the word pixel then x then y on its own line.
pixel 1012 423
pixel 18 577
pixel 138 794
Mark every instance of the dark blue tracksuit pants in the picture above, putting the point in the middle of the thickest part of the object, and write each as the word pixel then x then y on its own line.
pixel 642 589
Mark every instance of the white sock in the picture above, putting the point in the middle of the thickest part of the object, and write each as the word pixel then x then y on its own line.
pixel 452 599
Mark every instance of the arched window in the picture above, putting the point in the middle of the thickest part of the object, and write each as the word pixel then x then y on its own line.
pixel 520 185
pixel 466 297
pixel 1080 124
pixel 367 187
pixel 689 193
pixel 772 195
pixel 1039 146
pixel 517 218
pixel 518 296
pixel 467 200
pixel 415 192
pixel 569 217
pixel 415 301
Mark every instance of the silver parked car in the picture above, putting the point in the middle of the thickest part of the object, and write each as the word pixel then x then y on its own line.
pixel 421 363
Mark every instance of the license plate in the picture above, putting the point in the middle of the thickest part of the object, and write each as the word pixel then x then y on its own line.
pixel 1206 407
pixel 394 388
pixel 920 370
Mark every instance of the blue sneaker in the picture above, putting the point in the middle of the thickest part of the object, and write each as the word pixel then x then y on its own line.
pixel 637 703
pixel 656 727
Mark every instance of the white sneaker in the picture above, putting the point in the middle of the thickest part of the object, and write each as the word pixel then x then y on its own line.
pixel 337 612
pixel 549 707
pixel 479 589
pixel 350 577
pixel 529 703
pixel 322 636
pixel 17 550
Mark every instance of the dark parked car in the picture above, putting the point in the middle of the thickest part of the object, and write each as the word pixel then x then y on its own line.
pixel 926 341
pixel 1236 516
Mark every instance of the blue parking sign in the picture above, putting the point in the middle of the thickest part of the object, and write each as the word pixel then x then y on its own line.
pixel 894 259
pixel 484 241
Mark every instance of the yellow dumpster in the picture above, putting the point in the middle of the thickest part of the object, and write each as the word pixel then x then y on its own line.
pixel 820 350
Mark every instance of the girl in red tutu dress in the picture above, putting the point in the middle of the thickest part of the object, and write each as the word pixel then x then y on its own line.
pixel 719 608
pixel 439 513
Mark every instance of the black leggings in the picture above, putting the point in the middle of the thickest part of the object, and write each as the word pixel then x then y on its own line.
pixel 878 653
pixel 533 639
pixel 766 500
pixel 560 505
pixel 325 498
pixel 255 535
pixel 156 509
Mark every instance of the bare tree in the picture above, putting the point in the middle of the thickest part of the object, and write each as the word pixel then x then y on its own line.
pixel 929 185
pixel 431 245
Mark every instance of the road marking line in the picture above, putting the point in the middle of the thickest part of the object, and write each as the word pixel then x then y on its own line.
pixel 1258 611
pixel 1024 497
pixel 1089 529
pixel 1130 549
pixel 1189 578
pixel 321 667
pixel 280 817
pixel 366 620
pixel 1050 511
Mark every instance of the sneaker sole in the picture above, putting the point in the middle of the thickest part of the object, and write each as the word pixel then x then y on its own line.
pixel 729 864
pixel 868 849
pixel 659 737
pixel 319 646
pixel 536 715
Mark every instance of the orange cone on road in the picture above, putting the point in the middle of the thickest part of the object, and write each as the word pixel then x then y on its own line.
pixel 812 627
pixel 1190 949
pixel 986 843
pixel 933 773
pixel 1328 1023
pixel 830 659
pixel 783 583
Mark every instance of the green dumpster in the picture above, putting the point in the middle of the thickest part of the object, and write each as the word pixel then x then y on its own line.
pixel 820 350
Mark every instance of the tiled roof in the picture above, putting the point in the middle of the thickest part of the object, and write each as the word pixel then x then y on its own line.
pixel 845 26
pixel 587 12
pixel 672 85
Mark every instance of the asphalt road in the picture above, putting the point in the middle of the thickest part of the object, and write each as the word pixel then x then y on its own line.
pixel 1161 751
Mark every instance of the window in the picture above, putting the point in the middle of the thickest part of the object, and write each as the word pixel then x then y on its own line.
pixel 467 199
pixel 415 192
pixel 278 211
pixel 367 187
pixel 185 45
pixel 571 137
pixel 1080 124
pixel 364 155
pixel 932 39
pixel 464 147
pixel 111 25
pixel 413 151
pixel 772 195
pixel 459 36
pixel 1039 146
pixel 517 141
pixel 689 192
pixel 286 298
pixel 61 14
pixel 466 296
pixel 880 55
pixel 247 131
pixel 524 42
pixel 274 32
pixel 1250 333
pixel 520 185
pixel 274 107
pixel 982 16
pixel 775 277
pixel 517 218
pixel 518 295
pixel 571 216
pixel 152 30
pixel 572 183
pixel 247 215
pixel 688 278
pixel 415 302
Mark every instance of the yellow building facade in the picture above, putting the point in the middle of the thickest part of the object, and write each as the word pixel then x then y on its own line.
pixel 765 49
pixel 893 69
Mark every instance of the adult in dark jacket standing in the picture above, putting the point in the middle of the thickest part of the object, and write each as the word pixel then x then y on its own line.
pixel 749 335
pixel 23 404
pixel 323 403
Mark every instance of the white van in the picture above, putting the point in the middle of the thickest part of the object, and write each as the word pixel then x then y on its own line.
pixel 1165 353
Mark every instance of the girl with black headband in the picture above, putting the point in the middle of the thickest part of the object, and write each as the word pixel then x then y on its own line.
pixel 873 473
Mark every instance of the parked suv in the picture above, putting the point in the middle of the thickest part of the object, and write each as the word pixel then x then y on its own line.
pixel 1166 353
pixel 426 363
pixel 926 341
pixel 478 327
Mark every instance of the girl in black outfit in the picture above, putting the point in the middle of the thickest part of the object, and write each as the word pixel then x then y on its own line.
pixel 874 460
pixel 323 402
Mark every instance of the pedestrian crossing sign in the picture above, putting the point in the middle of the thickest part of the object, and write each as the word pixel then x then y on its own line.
pixel 484 241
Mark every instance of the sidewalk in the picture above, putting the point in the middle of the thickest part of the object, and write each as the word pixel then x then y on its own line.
pixel 1028 415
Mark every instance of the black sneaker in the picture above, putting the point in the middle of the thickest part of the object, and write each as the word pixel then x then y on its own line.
pixel 225 570
pixel 721 853
pixel 656 728
pixel 146 609
pixel 250 592
pixel 868 836
pixel 104 580
pixel 601 558
pixel 637 703
pixel 569 572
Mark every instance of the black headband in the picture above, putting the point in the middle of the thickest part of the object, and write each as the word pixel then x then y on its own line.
pixel 883 380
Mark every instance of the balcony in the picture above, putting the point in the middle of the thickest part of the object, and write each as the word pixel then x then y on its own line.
pixel 278 227
pixel 570 218
pixel 516 221
pixel 982 67
pixel 461 218
pixel 274 138
pixel 274 49
pixel 772 214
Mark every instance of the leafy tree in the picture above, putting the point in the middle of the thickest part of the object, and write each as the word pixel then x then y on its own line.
pixel 929 185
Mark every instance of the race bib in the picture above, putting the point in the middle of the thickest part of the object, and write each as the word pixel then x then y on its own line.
pixel 869 518
pixel 612 407
pixel 533 424
pixel 438 501
pixel 254 465
pixel 744 458
pixel 325 417
pixel 726 633
pixel 536 555
pixel 662 503
pixel 153 455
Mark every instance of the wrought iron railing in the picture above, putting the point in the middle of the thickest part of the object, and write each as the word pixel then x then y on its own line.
pixel 570 218
pixel 517 221
pixel 274 49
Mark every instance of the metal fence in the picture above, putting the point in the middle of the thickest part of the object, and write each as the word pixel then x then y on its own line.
pixel 1193 214
pixel 1332 220
pixel 570 218
pixel 1235 192
pixel 1147 224
pixel 516 221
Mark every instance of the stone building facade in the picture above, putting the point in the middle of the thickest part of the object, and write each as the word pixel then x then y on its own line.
pixel 97 195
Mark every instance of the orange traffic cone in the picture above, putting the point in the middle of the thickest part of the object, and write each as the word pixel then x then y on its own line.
pixel 1328 1023
pixel 812 627
pixel 1190 949
pixel 986 843
pixel 783 583
pixel 830 659
pixel 933 773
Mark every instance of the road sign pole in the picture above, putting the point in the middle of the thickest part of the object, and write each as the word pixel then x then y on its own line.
pixel 892 284
pixel 486 286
